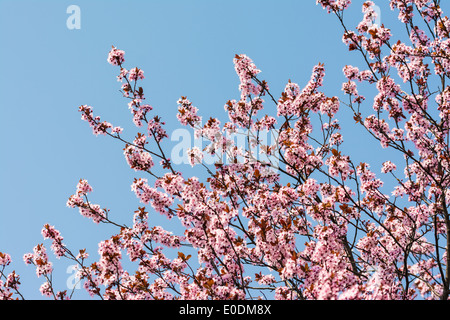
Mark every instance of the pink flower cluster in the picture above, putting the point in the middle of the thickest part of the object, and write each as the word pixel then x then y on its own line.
pixel 116 56
pixel 5 259
pixel 146 194
pixel 195 156
pixel 97 126
pixel 86 209
pixel 334 5
pixel 12 280
pixel 135 74
pixel 310 223
pixel 137 158
pixel 39 259
pixel 294 101
pixel 49 232
pixel 246 70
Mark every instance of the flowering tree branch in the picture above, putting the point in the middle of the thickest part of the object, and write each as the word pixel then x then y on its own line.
pixel 305 221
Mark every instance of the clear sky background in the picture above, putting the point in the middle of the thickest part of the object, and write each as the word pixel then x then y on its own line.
pixel 185 48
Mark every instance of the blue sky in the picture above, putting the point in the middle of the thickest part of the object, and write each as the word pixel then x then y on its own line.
pixel 184 47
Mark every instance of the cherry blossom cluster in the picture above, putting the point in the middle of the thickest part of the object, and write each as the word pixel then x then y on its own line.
pixel 187 113
pixel 94 121
pixel 334 5
pixel 49 232
pixel 9 283
pixel 116 56
pixel 246 70
pixel 79 200
pixel 137 158
pixel 146 194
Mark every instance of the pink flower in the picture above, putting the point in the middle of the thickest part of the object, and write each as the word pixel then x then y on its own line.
pixel 83 187
pixel 28 258
pixel 334 5
pixel 5 259
pixel 82 254
pixel 122 75
pixel 94 122
pixel 12 281
pixel 115 56
pixel 339 165
pixel 159 200
pixel 330 106
pixel 46 289
pixel 117 130
pixel 156 130
pixel 194 155
pixel 74 201
pixel 351 72
pixel 246 70
pixel 93 211
pixel 39 258
pixel 350 88
pixel 187 113
pixel 136 74
pixel 138 159
pixel 49 232
pixel 388 166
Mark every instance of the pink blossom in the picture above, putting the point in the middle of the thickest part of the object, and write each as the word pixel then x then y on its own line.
pixel 138 159
pixel 46 289
pixel 117 130
pixel 135 74
pixel 159 200
pixel 246 70
pixel 85 208
pixel 49 232
pixel 122 75
pixel 330 106
pixel 156 130
pixel 334 5
pixel 310 221
pixel 94 122
pixel 388 166
pixel 39 259
pixel 194 155
pixel 187 113
pixel 350 88
pixel 83 188
pixel 13 281
pixel 5 259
